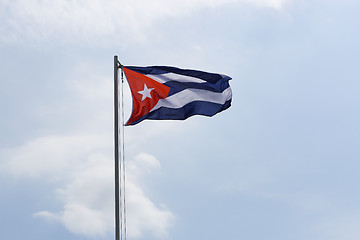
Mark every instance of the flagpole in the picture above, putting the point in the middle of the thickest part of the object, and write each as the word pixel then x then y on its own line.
pixel 116 136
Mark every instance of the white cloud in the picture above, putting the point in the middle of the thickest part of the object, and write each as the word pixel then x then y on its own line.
pixel 93 21
pixel 80 164
pixel 52 155
pixel 277 4
pixel 155 220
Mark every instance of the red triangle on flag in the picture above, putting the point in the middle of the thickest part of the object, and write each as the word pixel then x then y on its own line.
pixel 145 91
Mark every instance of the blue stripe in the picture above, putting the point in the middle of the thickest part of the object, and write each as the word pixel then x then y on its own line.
pixel 209 77
pixel 194 108
pixel 176 87
pixel 217 83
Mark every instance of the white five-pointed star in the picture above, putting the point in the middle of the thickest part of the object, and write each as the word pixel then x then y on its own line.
pixel 146 92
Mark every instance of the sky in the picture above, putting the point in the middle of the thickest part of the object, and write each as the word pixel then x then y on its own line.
pixel 281 163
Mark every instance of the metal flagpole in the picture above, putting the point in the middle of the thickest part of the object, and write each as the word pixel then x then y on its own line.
pixel 116 135
pixel 122 163
pixel 120 208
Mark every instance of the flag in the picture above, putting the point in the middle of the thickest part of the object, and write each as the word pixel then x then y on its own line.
pixel 161 92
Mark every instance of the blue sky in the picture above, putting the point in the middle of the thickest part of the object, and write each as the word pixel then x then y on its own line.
pixel 281 163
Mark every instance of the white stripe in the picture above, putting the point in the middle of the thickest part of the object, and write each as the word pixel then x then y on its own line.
pixel 162 78
pixel 182 98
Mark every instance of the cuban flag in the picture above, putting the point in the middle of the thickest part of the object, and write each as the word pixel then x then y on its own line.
pixel 161 92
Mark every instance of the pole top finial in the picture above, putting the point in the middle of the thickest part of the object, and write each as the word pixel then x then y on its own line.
pixel 119 65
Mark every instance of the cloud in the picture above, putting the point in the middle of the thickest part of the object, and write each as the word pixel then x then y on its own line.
pixel 155 220
pixel 93 21
pixel 277 4
pixel 84 170
pixel 51 155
